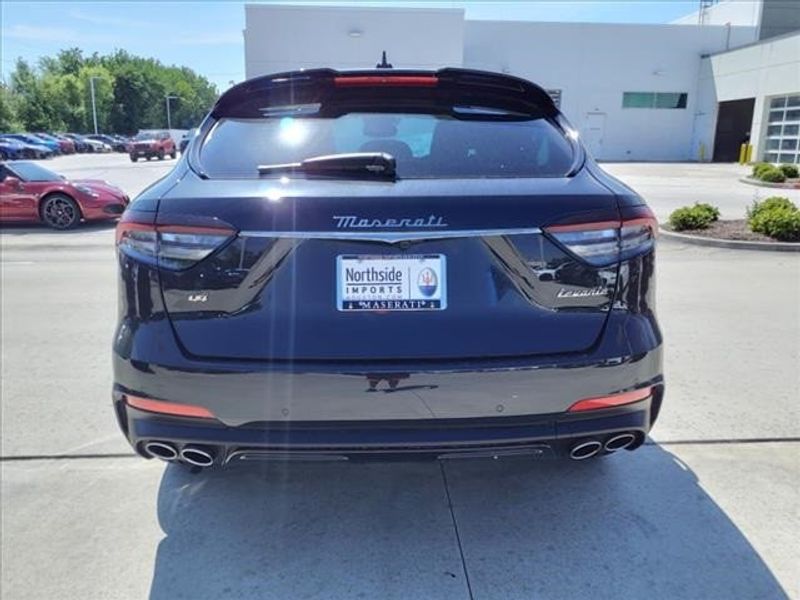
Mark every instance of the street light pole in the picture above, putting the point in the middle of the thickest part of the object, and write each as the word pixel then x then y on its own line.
pixel 94 105
pixel 167 98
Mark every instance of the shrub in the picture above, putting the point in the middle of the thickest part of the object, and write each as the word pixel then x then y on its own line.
pixel 776 217
pixel 711 211
pixel 758 167
pixel 771 203
pixel 772 175
pixel 790 171
pixel 779 223
pixel 699 216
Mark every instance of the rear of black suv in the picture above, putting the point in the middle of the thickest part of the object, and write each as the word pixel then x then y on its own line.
pixel 386 264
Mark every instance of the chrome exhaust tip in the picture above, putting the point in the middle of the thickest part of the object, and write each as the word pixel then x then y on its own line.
pixel 197 456
pixel 584 450
pixel 161 450
pixel 619 442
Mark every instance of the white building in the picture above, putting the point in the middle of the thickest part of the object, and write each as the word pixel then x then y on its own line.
pixel 691 90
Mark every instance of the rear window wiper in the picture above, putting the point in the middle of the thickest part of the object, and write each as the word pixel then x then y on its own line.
pixel 356 165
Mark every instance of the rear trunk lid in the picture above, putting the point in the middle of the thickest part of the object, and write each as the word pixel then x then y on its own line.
pixel 274 291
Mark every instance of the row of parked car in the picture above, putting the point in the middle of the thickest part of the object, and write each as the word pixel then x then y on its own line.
pixel 44 145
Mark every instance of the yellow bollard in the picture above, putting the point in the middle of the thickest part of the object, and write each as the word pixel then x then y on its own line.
pixel 749 156
pixel 742 153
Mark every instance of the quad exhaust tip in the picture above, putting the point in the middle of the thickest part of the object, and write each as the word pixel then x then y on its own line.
pixel 584 450
pixel 197 456
pixel 619 442
pixel 161 450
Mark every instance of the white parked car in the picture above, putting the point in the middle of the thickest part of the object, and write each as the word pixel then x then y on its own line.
pixel 97 145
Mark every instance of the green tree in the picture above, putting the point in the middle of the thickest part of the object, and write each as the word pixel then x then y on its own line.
pixel 32 108
pixel 138 97
pixel 8 110
pixel 103 96
pixel 130 93
pixel 73 108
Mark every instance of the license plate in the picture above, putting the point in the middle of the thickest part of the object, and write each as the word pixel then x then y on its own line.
pixel 387 283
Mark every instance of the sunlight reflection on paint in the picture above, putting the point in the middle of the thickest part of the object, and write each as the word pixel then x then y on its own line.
pixel 292 132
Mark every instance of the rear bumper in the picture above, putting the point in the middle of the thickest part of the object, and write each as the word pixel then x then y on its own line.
pixel 149 151
pixel 330 410
pixel 148 362
pixel 538 436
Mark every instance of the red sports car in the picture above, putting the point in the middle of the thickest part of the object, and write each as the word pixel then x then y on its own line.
pixel 29 192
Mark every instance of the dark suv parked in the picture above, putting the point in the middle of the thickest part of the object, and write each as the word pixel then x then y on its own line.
pixel 381 264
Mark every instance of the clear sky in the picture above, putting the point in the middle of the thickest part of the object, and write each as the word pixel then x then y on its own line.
pixel 207 36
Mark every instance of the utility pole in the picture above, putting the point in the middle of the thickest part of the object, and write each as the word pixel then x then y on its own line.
pixel 167 98
pixel 94 105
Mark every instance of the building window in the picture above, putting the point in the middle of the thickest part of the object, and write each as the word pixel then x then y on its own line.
pixel 654 99
pixel 783 131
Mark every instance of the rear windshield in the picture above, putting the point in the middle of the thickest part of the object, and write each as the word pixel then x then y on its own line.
pixel 424 145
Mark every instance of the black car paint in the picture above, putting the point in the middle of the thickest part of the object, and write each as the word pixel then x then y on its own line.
pixel 475 387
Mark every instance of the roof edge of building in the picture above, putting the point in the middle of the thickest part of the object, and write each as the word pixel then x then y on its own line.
pixel 756 43
pixel 374 9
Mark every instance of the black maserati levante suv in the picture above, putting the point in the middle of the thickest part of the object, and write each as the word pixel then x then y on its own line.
pixel 420 264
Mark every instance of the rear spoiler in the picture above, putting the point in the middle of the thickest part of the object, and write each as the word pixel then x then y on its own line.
pixel 317 86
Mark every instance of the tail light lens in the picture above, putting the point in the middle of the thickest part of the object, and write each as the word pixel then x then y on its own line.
pixel 168 408
pixel 606 242
pixel 174 247
pixel 611 401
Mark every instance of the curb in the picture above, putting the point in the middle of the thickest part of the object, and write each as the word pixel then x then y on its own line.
pixel 768 184
pixel 730 244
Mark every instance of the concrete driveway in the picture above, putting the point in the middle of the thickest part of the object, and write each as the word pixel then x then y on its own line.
pixel 667 186
pixel 708 509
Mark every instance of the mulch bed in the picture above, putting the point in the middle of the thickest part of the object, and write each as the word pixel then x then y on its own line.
pixel 735 229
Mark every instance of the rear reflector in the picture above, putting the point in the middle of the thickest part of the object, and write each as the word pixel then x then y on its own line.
pixel 170 246
pixel 168 408
pixel 604 242
pixel 386 80
pixel 611 401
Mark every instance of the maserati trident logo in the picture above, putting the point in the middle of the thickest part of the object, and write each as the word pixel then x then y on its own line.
pixel 427 282
pixel 356 222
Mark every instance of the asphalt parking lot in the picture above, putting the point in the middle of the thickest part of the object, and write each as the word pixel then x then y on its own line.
pixel 709 508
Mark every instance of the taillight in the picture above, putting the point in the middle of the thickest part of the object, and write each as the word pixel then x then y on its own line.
pixel 604 242
pixel 612 400
pixel 168 408
pixel 170 246
pixel 637 235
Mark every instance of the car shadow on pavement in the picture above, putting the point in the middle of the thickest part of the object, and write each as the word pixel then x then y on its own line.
pixel 634 525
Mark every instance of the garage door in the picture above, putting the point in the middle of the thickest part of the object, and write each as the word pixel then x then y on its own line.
pixel 783 130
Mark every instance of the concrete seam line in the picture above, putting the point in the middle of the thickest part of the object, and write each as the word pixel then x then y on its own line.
pixel 709 442
pixel 22 247
pixel 729 244
pixel 24 457
pixel 455 528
